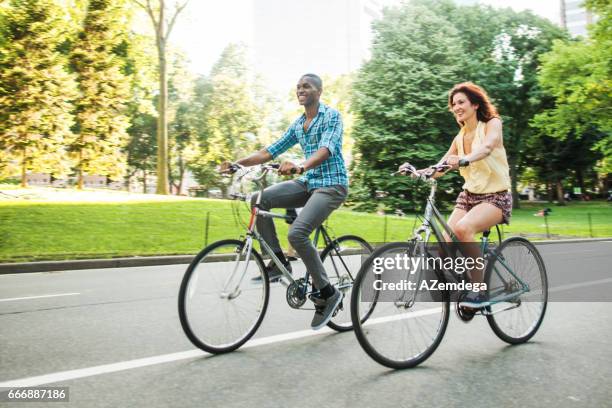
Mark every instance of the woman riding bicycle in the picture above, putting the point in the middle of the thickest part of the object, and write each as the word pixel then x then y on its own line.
pixel 478 151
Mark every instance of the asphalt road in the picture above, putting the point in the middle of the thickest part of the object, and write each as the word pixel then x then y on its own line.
pixel 113 337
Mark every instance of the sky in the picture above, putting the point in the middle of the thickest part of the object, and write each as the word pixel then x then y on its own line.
pixel 207 26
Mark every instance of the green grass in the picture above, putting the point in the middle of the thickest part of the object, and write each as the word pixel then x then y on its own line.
pixel 44 231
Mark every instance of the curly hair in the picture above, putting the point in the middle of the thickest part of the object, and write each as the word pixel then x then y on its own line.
pixel 477 96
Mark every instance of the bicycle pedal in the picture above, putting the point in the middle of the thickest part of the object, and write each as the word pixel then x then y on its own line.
pixel 338 309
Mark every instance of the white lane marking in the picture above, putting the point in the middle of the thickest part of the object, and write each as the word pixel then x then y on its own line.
pixel 570 252
pixel 38 297
pixel 408 315
pixel 578 285
pixel 167 358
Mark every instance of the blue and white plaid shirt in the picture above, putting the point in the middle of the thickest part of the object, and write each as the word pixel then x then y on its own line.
pixel 325 130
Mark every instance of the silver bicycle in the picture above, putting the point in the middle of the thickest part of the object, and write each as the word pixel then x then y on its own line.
pixel 221 306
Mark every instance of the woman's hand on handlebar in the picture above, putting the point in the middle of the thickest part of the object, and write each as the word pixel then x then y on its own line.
pixel 453 161
pixel 412 171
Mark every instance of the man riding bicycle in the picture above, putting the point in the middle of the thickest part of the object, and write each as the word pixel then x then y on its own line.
pixel 322 188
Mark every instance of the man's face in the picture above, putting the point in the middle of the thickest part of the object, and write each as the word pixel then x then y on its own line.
pixel 307 93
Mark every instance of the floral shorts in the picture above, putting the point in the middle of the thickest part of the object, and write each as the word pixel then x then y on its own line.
pixel 502 200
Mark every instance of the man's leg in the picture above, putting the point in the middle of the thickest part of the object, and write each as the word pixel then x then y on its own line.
pixel 318 207
pixel 288 194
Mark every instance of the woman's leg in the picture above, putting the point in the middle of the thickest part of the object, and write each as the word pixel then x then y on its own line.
pixel 480 218
pixel 454 218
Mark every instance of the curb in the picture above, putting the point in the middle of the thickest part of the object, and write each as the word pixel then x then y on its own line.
pixel 51 266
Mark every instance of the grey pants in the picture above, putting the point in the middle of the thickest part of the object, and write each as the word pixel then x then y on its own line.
pixel 317 205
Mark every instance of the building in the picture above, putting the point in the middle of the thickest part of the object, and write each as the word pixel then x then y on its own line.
pixel 574 17
pixel 326 37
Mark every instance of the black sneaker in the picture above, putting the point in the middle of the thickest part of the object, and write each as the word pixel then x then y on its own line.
pixel 274 274
pixel 475 300
pixel 318 301
pixel 326 310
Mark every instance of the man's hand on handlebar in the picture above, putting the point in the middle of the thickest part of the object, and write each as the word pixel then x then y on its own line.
pixel 228 167
pixel 287 168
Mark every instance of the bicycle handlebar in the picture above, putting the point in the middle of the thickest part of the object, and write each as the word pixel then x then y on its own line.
pixel 425 174
pixel 234 167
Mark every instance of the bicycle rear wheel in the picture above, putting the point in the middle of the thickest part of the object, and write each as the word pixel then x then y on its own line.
pixel 342 259
pixel 404 327
pixel 219 307
pixel 516 318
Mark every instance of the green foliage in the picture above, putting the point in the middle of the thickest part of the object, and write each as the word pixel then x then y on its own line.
pixel 104 91
pixel 35 89
pixel 579 76
pixel 230 118
pixel 400 104
pixel 140 67
pixel 420 50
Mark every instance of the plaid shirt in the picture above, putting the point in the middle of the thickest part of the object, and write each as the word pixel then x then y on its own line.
pixel 325 130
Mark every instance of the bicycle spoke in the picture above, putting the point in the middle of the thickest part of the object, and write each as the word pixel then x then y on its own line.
pixel 518 324
pixel 219 307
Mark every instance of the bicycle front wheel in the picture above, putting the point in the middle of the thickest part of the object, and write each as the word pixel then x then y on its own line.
pixel 404 327
pixel 342 259
pixel 220 308
pixel 518 290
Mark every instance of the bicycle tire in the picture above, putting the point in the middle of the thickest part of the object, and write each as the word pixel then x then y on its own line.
pixel 373 342
pixel 205 266
pixel 348 268
pixel 521 256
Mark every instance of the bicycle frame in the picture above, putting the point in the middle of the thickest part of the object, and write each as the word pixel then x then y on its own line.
pixel 252 235
pixel 434 222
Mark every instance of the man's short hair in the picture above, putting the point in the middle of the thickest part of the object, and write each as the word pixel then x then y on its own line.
pixel 316 80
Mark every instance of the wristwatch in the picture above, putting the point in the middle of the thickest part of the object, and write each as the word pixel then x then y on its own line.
pixel 302 169
pixel 463 163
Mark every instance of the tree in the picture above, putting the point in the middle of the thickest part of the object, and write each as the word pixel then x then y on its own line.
pixel 35 89
pixel 578 75
pixel 141 69
pixel 400 104
pixel 501 56
pixel 231 119
pixel 142 146
pixel 163 28
pixel 104 91
pixel 182 143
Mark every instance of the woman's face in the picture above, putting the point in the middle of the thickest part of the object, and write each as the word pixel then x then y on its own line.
pixel 462 107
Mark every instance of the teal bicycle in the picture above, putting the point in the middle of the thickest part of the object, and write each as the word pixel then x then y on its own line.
pixel 404 327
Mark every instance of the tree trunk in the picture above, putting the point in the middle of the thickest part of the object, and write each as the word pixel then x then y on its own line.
pixel 549 191
pixel 162 128
pixel 24 167
pixel 580 180
pixel 144 181
pixel 180 181
pixel 80 176
pixel 560 198
pixel 513 182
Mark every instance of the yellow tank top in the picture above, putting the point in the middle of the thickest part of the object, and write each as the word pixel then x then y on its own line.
pixel 489 175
